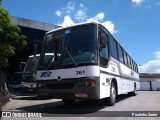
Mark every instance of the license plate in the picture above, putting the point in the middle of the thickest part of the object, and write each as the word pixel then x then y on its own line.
pixel 81 95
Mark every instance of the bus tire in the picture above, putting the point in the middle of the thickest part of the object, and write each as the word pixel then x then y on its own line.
pixel 113 93
pixel 133 93
pixel 68 101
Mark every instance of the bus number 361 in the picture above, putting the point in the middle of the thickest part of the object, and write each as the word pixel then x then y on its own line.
pixel 80 72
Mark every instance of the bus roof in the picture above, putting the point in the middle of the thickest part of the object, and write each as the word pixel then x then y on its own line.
pixel 79 24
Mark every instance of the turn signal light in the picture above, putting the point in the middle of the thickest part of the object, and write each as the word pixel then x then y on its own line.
pixel 93 83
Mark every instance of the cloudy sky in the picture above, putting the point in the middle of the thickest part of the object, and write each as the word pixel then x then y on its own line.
pixel 134 23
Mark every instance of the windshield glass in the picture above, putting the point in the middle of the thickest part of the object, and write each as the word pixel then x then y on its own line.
pixel 28 69
pixel 72 46
pixel 30 64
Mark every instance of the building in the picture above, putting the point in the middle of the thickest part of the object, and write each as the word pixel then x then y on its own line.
pixel 33 30
pixel 149 82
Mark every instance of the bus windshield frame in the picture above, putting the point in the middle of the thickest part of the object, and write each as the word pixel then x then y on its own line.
pixel 73 46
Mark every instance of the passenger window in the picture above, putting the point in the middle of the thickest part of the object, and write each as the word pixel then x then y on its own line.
pixel 113 45
pixel 125 58
pixel 120 53
pixel 129 63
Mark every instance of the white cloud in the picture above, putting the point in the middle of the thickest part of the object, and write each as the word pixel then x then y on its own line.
pixel 152 66
pixel 70 7
pixel 58 13
pixel 143 69
pixel 157 54
pixel 81 14
pixel 110 26
pixel 67 21
pixel 98 17
pixel 137 2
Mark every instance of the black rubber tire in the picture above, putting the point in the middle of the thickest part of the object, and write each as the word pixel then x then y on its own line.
pixel 111 101
pixel 133 93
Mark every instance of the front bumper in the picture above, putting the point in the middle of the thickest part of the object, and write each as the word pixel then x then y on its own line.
pixel 80 88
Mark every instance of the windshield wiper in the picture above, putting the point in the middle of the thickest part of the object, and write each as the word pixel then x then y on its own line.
pixel 46 65
pixel 66 49
pixel 74 62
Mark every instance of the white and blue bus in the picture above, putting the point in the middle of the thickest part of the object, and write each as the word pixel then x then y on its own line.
pixel 88 63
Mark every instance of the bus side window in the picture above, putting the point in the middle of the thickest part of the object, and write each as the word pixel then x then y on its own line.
pixel 125 57
pixel 120 53
pixel 113 46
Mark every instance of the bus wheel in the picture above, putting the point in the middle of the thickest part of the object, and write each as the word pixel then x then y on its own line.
pixel 133 93
pixel 68 101
pixel 112 99
pixel 113 94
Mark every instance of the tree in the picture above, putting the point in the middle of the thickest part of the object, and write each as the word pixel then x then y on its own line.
pixel 10 37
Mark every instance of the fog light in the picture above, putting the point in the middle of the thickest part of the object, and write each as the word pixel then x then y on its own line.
pixel 39 85
pixel 93 83
pixel 86 83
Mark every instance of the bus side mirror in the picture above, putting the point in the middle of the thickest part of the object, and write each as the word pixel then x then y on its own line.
pixel 103 43
pixel 103 40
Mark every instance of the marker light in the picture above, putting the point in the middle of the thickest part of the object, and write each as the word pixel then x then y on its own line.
pixel 92 83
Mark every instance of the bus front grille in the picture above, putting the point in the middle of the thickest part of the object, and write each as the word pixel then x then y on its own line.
pixel 60 86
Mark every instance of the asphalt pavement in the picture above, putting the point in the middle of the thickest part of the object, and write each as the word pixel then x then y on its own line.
pixel 144 106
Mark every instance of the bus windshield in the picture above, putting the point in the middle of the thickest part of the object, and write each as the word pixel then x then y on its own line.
pixel 72 46
pixel 29 69
pixel 31 66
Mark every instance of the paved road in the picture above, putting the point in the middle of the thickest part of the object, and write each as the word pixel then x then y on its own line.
pixel 145 103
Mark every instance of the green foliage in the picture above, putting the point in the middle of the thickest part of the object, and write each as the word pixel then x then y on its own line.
pixel 10 38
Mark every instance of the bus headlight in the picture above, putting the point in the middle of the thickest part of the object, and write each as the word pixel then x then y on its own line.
pixel 82 84
pixel 92 83
pixel 86 83
pixel 40 85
